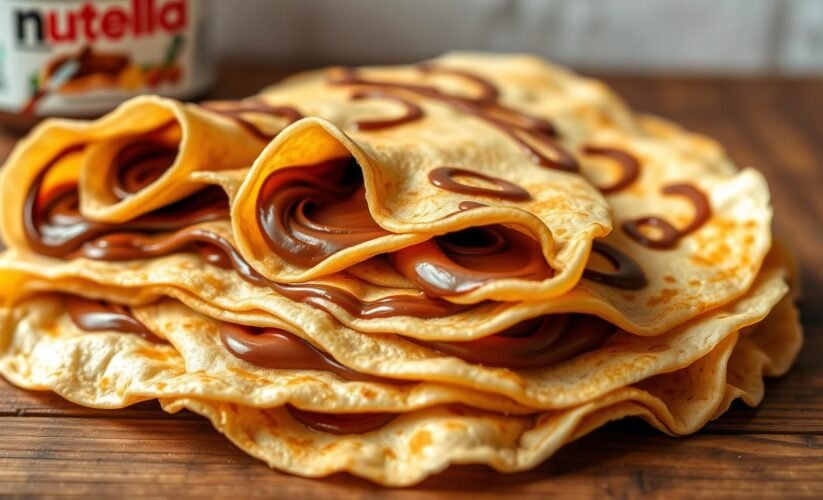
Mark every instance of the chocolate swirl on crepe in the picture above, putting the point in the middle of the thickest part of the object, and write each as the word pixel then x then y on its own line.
pixel 536 343
pixel 629 167
pixel 308 214
pixel 138 165
pixel 627 274
pixel 444 178
pixel 54 226
pixel 277 348
pixel 670 235
pixel 387 270
pixel 352 423
pixel 459 262
pixel 412 111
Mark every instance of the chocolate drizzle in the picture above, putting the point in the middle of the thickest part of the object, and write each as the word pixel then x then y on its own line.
pixel 459 262
pixel 488 92
pixel 534 135
pixel 629 166
pixel 627 273
pixel 443 177
pixel 278 349
pixel 413 111
pixel 535 343
pixel 237 109
pixel 307 214
pixel 341 423
pixel 669 235
pixel 98 316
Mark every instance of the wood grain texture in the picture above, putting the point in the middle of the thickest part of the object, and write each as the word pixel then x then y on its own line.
pixel 53 447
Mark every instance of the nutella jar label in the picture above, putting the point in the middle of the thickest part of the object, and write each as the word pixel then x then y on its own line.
pixel 82 58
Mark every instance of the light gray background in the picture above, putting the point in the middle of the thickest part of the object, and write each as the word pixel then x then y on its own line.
pixel 736 36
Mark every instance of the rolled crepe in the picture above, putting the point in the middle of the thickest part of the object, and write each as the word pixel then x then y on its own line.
pixel 483 99
pixel 560 220
pixel 378 306
pixel 165 139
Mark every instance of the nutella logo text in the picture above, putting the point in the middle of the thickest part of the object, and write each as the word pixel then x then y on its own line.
pixel 39 27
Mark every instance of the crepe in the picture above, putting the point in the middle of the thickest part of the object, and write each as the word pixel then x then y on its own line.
pixel 422 443
pixel 186 137
pixel 566 200
pixel 703 277
pixel 45 350
pixel 681 282
pixel 387 270
pixel 620 360
pixel 114 369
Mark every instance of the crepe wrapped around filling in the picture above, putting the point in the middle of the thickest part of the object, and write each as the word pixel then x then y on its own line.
pixel 376 296
pixel 492 190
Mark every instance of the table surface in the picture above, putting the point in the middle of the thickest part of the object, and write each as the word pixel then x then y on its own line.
pixel 53 447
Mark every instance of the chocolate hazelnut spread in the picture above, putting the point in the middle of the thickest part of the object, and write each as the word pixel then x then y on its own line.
pixel 99 316
pixel 309 213
pixel 341 423
pixel 54 227
pixel 533 343
pixel 278 349
pixel 82 58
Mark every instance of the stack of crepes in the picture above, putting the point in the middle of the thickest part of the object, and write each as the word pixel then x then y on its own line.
pixel 389 270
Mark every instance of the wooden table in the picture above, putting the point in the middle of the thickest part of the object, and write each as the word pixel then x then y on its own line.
pixel 53 447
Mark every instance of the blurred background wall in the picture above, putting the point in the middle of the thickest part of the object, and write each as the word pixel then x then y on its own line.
pixel 729 36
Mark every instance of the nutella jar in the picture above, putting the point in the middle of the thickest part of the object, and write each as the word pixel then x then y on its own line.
pixel 82 58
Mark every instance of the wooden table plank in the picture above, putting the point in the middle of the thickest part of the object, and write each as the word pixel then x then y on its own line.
pixel 54 447
pixel 76 456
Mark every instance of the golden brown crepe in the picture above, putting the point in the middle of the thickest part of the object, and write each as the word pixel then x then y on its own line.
pixel 115 369
pixel 682 282
pixel 202 140
pixel 621 360
pixel 422 443
pixel 44 349
pixel 388 270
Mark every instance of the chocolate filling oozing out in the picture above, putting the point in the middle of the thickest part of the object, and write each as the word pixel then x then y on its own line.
pixel 98 316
